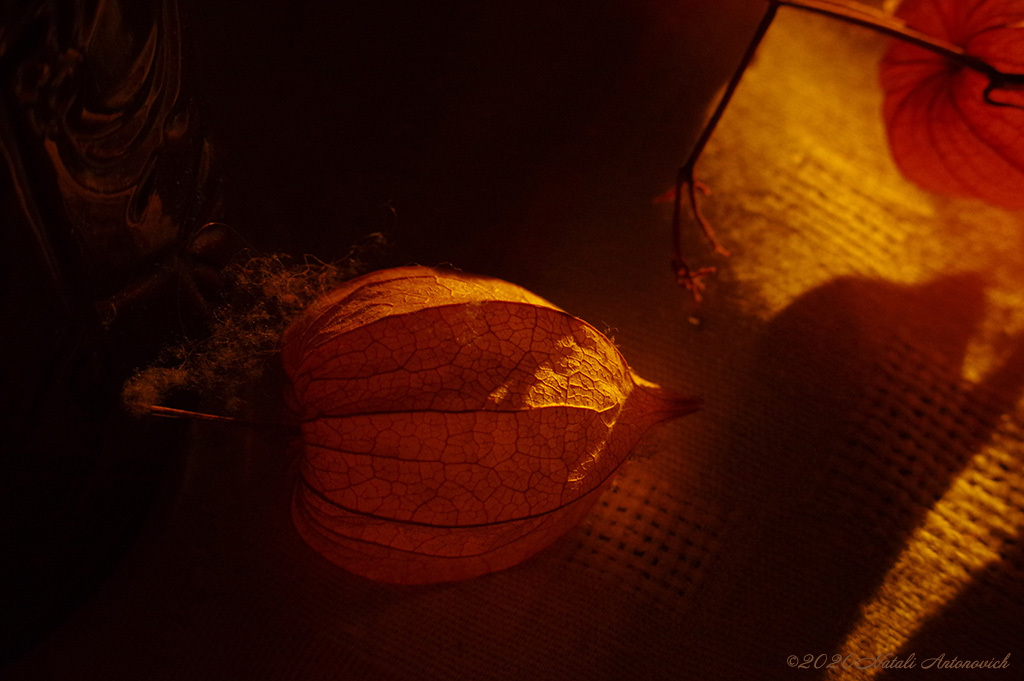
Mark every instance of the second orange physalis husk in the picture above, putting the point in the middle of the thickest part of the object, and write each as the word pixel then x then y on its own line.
pixel 454 425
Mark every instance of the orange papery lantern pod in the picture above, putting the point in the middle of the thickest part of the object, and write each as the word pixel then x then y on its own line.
pixel 953 130
pixel 454 425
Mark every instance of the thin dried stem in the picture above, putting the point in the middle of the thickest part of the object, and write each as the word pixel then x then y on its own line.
pixel 843 10
pixel 172 412
pixel 880 22
pixel 693 279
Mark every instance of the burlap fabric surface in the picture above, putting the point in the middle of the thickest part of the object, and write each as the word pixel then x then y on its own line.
pixel 853 487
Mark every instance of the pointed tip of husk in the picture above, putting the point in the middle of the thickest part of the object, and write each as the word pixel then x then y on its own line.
pixel 659 404
pixel 664 405
pixel 647 407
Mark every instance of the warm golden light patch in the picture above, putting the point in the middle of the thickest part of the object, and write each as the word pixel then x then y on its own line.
pixel 806 195
pixel 805 190
pixel 966 530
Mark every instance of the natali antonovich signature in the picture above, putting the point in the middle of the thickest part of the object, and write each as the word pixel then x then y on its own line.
pixel 891 661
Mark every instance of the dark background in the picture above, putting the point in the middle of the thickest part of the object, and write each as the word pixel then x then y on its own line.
pixel 511 139
pixel 852 482
pixel 443 124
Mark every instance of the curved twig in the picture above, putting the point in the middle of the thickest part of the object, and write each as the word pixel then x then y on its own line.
pixel 848 12
pixel 691 279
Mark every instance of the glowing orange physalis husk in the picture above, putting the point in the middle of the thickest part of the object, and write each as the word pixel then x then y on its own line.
pixel 944 136
pixel 454 425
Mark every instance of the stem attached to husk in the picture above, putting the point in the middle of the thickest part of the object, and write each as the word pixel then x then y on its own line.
pixel 172 412
pixel 650 404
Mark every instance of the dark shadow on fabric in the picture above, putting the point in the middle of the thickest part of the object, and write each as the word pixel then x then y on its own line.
pixel 860 439
pixel 990 611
